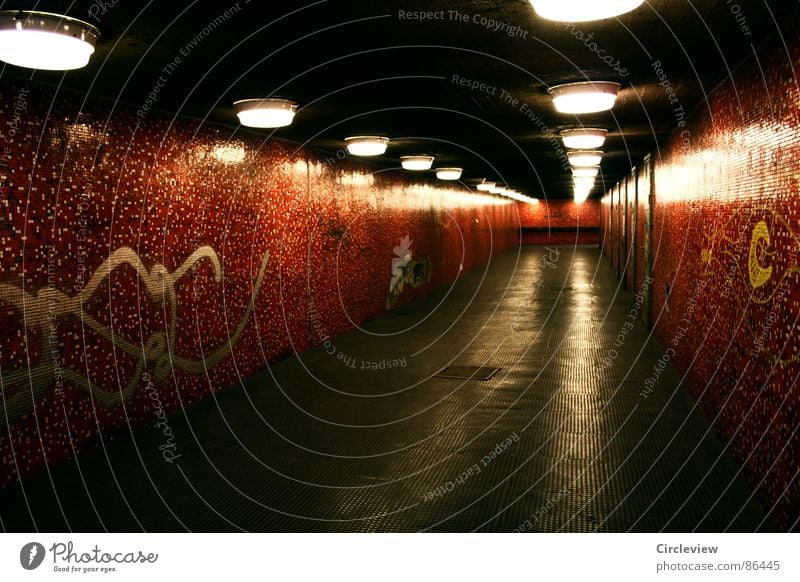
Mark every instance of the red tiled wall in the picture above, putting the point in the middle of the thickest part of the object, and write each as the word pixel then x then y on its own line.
pixel 605 227
pixel 615 228
pixel 726 241
pixel 642 193
pixel 301 234
pixel 631 235
pixel 560 222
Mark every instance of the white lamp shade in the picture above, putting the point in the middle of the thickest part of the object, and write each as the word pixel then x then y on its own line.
pixel 584 139
pixel 265 113
pixel 580 196
pixel 583 10
pixel 585 97
pixel 367 145
pixel 485 186
pixel 585 172
pixel 584 159
pixel 41 40
pixel 416 163
pixel 449 173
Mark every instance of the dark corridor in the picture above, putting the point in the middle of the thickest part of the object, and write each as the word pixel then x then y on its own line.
pixel 360 435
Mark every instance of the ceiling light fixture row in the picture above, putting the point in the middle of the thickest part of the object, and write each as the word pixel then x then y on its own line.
pixel 582 98
pixel 494 188
pixel 47 41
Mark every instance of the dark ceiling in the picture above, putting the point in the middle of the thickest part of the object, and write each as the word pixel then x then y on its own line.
pixel 356 68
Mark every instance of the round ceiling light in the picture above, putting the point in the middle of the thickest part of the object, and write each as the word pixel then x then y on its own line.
pixel 485 186
pixel 583 10
pixel 584 159
pixel 585 172
pixel 416 163
pixel 265 113
pixel 580 196
pixel 41 40
pixel 584 139
pixel 585 97
pixel 449 173
pixel 367 145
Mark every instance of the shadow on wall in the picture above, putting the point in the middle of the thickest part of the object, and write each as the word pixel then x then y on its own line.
pixel 146 261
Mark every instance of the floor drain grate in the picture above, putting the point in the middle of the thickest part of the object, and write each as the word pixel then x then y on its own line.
pixel 468 372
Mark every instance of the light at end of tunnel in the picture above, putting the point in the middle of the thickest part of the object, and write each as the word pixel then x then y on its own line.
pixel 585 97
pixel 583 10
pixel 367 145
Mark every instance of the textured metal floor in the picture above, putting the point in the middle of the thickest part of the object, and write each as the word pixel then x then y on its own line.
pixel 555 441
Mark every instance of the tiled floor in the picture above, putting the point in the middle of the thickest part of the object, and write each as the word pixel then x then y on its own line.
pixel 555 441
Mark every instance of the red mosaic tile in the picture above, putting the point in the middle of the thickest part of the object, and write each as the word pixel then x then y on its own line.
pixel 136 251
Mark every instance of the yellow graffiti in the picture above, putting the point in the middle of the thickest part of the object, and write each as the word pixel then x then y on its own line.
pixel 44 308
pixel 759 275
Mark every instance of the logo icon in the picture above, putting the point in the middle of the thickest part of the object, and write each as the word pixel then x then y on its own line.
pixel 31 555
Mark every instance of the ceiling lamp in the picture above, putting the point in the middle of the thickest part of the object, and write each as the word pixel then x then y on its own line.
pixel 366 145
pixel 449 173
pixel 265 113
pixel 580 196
pixel 416 163
pixel 584 159
pixel 41 40
pixel 584 139
pixel 585 97
pixel 585 172
pixel 583 10
pixel 485 186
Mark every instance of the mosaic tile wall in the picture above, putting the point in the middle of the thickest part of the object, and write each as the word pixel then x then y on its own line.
pixel 560 222
pixel 726 242
pixel 137 256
